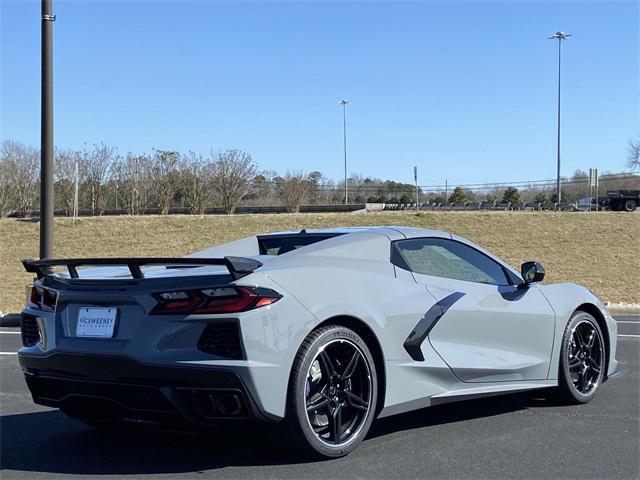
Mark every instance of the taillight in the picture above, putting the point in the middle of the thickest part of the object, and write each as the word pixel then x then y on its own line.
pixel 213 300
pixel 43 298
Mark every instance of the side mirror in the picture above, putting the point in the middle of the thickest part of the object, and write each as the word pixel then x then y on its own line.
pixel 532 272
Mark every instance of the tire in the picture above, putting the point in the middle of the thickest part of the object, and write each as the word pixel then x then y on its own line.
pixel 343 390
pixel 630 206
pixel 581 368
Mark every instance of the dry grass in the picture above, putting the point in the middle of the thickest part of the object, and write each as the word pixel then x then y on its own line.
pixel 599 250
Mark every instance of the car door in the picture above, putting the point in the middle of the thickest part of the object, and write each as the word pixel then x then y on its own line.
pixel 486 329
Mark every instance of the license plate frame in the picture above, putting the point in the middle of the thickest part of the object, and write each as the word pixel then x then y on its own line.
pixel 96 322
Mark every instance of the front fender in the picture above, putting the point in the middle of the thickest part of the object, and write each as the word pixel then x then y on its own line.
pixel 565 299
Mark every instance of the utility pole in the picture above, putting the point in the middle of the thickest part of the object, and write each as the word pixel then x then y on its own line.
pixel 344 103
pixel 75 193
pixel 590 187
pixel 46 131
pixel 560 36
pixel 595 175
pixel 446 187
pixel 415 178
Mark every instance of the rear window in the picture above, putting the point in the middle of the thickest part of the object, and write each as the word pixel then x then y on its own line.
pixel 279 244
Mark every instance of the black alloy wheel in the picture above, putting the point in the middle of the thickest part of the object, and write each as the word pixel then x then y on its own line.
pixel 582 359
pixel 333 392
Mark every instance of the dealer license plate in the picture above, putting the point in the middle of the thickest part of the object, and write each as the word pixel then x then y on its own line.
pixel 96 322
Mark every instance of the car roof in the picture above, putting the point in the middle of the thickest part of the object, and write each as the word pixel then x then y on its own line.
pixel 397 232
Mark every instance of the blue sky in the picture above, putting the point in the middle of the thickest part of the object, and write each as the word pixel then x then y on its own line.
pixel 464 90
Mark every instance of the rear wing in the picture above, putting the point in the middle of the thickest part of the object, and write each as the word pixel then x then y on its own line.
pixel 237 266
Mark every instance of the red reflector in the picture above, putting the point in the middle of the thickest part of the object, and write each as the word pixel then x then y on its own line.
pixel 264 301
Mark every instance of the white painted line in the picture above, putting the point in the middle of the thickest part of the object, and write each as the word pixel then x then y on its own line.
pixel 15 353
pixel 632 336
pixel 10 333
pixel 628 321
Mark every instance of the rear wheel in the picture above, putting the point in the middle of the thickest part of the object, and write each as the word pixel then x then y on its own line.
pixel 332 393
pixel 630 206
pixel 582 359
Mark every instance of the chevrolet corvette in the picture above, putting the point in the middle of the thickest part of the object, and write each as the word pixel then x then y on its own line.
pixel 320 331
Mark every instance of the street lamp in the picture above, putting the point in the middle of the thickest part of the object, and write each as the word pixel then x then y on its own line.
pixel 344 103
pixel 560 36
pixel 46 130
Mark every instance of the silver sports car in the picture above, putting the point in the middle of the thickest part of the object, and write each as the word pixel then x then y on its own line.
pixel 320 331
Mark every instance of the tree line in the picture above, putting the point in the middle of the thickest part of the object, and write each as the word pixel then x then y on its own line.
pixel 163 179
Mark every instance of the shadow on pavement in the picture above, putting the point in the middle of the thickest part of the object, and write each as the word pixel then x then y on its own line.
pixel 459 412
pixel 50 442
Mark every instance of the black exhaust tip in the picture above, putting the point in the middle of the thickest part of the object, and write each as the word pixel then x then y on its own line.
pixel 229 405
pixel 203 403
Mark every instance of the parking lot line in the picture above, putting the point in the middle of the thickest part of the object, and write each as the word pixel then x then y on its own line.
pixel 626 335
pixel 8 353
pixel 10 333
pixel 628 321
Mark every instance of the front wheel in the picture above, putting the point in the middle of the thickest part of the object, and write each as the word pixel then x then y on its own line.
pixel 332 393
pixel 582 359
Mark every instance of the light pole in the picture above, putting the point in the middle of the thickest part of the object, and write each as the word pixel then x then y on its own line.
pixel 560 36
pixel 344 103
pixel 415 179
pixel 46 131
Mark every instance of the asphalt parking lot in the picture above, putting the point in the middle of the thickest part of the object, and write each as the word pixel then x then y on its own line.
pixel 518 436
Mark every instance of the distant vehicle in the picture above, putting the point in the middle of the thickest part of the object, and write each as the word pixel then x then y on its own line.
pixel 322 330
pixel 627 200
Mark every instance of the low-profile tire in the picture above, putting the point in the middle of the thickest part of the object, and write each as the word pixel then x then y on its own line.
pixel 630 206
pixel 332 393
pixel 582 359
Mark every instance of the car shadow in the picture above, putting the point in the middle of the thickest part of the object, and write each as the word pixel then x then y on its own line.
pixel 47 441
pixel 460 411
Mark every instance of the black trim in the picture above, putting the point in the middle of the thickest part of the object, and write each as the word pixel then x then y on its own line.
pixel 29 330
pixel 226 342
pixel 300 239
pixel 414 341
pixel 62 379
pixel 237 266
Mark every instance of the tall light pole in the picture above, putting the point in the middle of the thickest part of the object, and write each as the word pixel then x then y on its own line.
pixel 344 103
pixel 46 131
pixel 560 36
pixel 415 179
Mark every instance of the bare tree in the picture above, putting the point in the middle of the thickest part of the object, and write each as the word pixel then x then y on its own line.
pixel 65 177
pixel 21 170
pixel 5 187
pixel 197 182
pixel 633 160
pixel 164 177
pixel 95 170
pixel 130 174
pixel 233 173
pixel 296 187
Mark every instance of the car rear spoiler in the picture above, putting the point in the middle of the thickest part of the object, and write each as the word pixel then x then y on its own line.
pixel 237 266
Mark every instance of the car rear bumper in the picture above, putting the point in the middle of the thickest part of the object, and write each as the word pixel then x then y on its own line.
pixel 116 387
